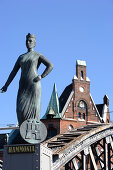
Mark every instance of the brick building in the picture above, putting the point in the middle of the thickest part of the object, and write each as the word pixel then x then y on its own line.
pixel 75 107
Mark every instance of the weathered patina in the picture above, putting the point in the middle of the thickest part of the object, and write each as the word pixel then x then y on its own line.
pixel 29 93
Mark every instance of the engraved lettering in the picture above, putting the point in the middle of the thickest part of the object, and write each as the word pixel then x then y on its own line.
pixel 21 149
pixel 9 149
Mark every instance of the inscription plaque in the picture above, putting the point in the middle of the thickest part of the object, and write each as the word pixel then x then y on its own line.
pixel 21 149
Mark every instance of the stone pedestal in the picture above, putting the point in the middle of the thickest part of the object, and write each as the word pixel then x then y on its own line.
pixel 21 157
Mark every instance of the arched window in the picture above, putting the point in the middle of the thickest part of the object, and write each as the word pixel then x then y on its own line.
pixel 83 116
pixel 79 115
pixel 70 127
pixel 81 74
pixel 82 104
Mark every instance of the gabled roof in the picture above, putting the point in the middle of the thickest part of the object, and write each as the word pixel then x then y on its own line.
pixel 64 96
pixel 100 108
pixel 57 106
pixel 96 109
pixel 67 102
pixel 53 107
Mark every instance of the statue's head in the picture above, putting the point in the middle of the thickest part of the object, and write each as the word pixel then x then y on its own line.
pixel 30 41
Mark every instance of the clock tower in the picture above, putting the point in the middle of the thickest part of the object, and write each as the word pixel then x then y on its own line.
pixel 75 106
pixel 81 88
pixel 81 83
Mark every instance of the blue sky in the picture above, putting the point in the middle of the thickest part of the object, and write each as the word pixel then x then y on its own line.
pixel 66 30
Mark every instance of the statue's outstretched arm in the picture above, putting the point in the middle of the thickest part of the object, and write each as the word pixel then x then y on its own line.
pixel 11 76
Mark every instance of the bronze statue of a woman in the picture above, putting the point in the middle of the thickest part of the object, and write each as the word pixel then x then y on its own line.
pixel 29 93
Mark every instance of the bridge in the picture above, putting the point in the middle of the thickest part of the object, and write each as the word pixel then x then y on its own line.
pixel 88 147
pixel 1 163
pixel 85 148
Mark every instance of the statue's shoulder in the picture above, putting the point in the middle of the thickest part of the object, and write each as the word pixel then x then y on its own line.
pixel 22 55
pixel 20 58
pixel 37 53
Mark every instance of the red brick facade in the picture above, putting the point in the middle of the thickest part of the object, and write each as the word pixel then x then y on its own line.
pixel 79 108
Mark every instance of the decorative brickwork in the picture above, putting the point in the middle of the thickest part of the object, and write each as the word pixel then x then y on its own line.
pixel 76 105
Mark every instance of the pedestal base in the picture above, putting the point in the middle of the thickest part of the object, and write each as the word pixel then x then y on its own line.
pixel 21 157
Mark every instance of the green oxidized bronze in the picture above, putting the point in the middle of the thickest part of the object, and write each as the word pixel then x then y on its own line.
pixel 29 93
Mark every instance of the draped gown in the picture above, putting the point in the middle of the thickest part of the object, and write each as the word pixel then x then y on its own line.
pixel 29 93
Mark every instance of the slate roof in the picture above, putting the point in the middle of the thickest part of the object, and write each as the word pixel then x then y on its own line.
pixel 56 104
pixel 100 108
pixel 64 96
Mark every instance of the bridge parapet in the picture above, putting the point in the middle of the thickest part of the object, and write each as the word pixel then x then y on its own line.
pixel 65 147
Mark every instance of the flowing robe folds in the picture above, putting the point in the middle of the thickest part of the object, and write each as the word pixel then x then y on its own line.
pixel 29 93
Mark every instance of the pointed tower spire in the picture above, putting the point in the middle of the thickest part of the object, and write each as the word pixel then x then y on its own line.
pixel 53 107
pixel 54 101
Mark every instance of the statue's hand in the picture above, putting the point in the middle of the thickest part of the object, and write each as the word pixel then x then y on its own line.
pixel 36 79
pixel 3 89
